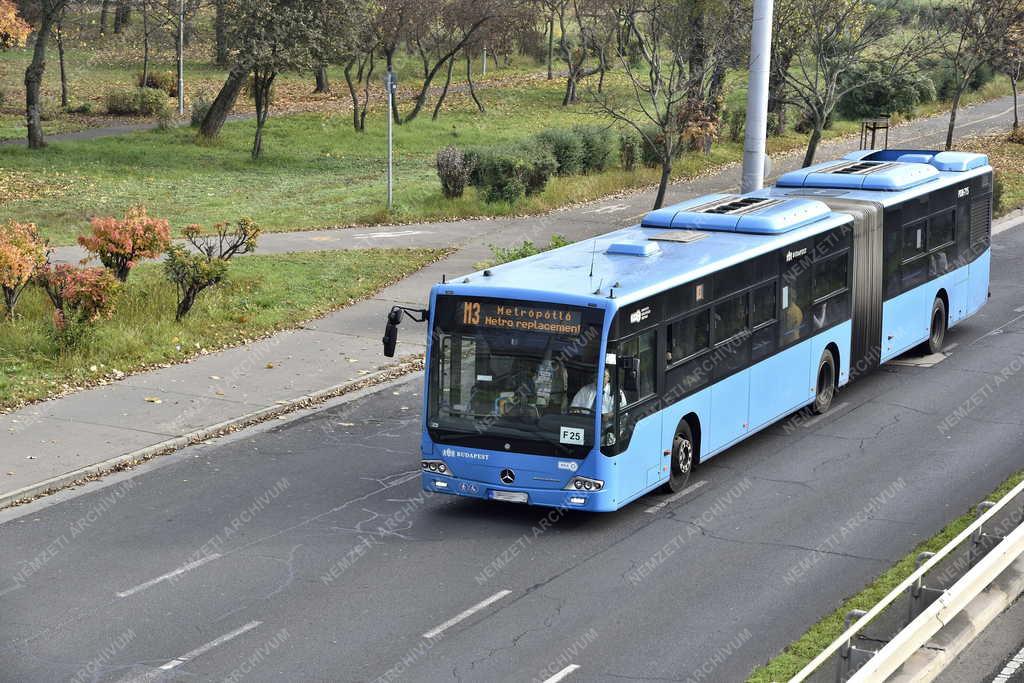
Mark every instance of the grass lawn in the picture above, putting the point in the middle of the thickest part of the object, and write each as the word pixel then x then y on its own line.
pixel 262 294
pixel 1008 160
pixel 798 654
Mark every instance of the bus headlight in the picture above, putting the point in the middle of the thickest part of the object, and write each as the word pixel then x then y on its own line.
pixel 585 483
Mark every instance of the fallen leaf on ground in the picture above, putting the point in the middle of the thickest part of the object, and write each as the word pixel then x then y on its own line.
pixel 153 399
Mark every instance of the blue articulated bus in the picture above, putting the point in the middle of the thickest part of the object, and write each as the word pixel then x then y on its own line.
pixel 587 376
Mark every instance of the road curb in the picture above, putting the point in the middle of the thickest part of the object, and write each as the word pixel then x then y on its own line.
pixel 375 381
pixel 928 662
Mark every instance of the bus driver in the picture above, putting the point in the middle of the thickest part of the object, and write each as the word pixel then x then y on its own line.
pixel 586 397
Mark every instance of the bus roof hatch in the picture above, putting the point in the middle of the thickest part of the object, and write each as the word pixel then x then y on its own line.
pixel 738 213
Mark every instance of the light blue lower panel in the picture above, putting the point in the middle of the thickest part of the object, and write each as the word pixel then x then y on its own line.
pixel 779 384
pixel 730 399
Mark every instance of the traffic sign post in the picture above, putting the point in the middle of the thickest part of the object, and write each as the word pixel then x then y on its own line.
pixel 390 84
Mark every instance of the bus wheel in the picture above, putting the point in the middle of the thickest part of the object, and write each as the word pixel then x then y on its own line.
pixel 825 388
pixel 682 459
pixel 938 329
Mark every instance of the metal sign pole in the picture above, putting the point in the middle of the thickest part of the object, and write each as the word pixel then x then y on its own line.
pixel 181 57
pixel 389 84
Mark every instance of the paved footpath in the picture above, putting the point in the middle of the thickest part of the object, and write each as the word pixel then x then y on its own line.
pixel 56 442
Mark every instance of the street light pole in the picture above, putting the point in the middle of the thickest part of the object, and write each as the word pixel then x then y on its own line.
pixel 181 57
pixel 390 82
pixel 756 135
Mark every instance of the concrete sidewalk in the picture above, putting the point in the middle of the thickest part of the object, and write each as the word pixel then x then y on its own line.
pixel 51 444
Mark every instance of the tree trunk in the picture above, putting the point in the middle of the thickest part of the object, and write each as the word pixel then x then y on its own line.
pixel 220 31
pixel 323 85
pixel 444 91
pixel 262 81
pixel 570 89
pixel 421 98
pixel 104 16
pixel 469 80
pixel 225 100
pixel 34 80
pixel 1016 114
pixel 122 15
pixel 551 46
pixel 63 67
pixel 145 43
pixel 354 94
pixel 666 174
pixel 952 114
pixel 812 143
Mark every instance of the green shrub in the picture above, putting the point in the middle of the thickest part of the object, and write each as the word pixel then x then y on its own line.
pixel 81 108
pixel 138 102
pixel 567 148
pixel 507 174
pixel 598 147
pixel 200 106
pixel 166 81
pixel 629 149
pixel 736 120
pixel 649 154
pixel 527 248
pixel 884 93
pixel 453 171
pixel 471 157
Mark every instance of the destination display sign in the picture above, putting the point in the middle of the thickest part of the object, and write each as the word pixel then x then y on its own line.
pixel 522 317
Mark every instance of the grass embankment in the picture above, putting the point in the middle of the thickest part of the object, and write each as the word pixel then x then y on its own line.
pixel 262 294
pixel 798 654
pixel 1008 160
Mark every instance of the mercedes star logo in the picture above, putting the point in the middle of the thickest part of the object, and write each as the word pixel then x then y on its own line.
pixel 508 476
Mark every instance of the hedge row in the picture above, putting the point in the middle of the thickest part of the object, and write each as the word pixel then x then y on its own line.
pixel 507 173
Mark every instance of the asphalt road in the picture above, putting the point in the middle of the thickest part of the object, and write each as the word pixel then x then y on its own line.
pixel 304 550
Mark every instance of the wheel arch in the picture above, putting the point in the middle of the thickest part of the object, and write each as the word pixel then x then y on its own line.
pixel 833 348
pixel 692 421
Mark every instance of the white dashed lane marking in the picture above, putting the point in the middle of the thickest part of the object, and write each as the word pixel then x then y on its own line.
pixel 465 614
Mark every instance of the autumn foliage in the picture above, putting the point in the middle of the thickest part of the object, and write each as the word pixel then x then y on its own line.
pixel 120 243
pixel 22 253
pixel 79 295
pixel 14 31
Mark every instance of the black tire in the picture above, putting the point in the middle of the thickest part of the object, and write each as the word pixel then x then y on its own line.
pixel 684 455
pixel 939 322
pixel 825 383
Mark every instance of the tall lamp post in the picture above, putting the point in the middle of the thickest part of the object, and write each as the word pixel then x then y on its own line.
pixel 756 137
pixel 181 57
pixel 390 84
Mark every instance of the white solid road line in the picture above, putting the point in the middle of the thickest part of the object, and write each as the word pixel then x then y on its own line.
pixel 438 630
pixel 209 646
pixel 389 235
pixel 563 673
pixel 674 497
pixel 169 575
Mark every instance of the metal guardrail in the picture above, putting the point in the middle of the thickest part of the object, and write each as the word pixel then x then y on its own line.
pixel 948 603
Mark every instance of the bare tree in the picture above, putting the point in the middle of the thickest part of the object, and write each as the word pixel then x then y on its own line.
pixel 49 13
pixel 841 35
pixel 972 33
pixel 1009 59
pixel 670 95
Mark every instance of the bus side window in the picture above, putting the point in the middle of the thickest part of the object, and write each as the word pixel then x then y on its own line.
pixel 764 336
pixel 941 243
pixel 915 268
pixel 688 336
pixel 643 346
pixel 796 305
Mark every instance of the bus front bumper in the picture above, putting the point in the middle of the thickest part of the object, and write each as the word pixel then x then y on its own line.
pixel 557 498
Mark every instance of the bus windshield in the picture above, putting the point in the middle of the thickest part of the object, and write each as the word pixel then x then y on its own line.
pixel 514 376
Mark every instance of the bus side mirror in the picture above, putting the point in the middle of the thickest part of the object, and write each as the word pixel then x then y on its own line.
pixel 630 366
pixel 391 332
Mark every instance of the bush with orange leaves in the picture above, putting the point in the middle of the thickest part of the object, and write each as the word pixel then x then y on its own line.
pixel 14 31
pixel 79 295
pixel 121 243
pixel 22 253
